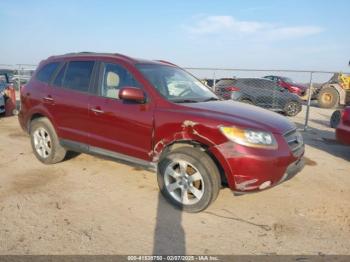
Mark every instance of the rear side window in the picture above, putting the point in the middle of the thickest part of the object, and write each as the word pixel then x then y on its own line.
pixel 46 72
pixel 77 75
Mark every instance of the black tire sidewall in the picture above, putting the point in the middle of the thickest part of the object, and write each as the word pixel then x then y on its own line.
pixel 335 119
pixel 208 194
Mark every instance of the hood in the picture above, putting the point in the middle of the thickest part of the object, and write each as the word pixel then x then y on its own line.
pixel 244 115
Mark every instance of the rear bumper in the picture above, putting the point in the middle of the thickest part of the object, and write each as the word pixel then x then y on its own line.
pixel 342 134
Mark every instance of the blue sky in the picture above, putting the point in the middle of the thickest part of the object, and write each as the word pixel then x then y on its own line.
pixel 247 34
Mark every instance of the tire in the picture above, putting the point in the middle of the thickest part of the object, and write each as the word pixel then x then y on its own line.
pixel 328 97
pixel 335 119
pixel 45 143
pixel 292 108
pixel 178 191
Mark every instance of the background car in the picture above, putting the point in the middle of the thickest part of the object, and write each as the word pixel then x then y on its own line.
pixel 260 92
pixel 343 128
pixel 4 83
pixel 288 84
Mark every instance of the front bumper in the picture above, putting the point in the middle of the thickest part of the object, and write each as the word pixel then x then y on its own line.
pixel 254 169
pixel 293 169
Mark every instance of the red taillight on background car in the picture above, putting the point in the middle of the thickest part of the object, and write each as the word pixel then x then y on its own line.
pixel 231 88
pixel 346 116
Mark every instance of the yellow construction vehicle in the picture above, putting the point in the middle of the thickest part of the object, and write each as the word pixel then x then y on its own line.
pixel 335 92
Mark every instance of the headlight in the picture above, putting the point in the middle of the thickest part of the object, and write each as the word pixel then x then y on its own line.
pixel 248 137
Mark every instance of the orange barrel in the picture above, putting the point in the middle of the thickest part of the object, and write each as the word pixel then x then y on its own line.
pixel 10 104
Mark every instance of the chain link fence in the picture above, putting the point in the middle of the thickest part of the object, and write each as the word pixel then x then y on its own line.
pixel 293 93
pixel 296 94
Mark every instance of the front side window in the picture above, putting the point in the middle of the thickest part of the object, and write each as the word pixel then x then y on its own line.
pixel 175 84
pixel 114 77
pixel 46 72
pixel 77 76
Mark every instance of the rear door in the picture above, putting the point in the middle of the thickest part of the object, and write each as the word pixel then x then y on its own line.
pixel 68 98
pixel 116 125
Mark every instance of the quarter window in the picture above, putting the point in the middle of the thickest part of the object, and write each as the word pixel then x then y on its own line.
pixel 114 77
pixel 47 71
pixel 59 78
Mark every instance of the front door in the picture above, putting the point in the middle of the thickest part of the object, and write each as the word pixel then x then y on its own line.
pixel 116 125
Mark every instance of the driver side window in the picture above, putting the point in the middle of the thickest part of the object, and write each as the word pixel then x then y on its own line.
pixel 176 85
pixel 115 77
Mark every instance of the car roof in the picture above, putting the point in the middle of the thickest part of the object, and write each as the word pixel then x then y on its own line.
pixel 94 55
pixel 254 78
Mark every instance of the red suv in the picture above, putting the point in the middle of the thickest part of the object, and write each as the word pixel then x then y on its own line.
pixel 157 115
pixel 288 84
pixel 343 128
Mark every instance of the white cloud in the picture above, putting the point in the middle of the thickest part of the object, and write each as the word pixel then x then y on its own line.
pixel 227 24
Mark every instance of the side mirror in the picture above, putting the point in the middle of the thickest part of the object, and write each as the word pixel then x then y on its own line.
pixel 132 94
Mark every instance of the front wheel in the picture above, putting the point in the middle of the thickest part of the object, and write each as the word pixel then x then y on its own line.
pixel 189 179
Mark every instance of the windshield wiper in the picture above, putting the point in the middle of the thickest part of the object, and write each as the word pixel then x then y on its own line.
pixel 185 101
pixel 211 99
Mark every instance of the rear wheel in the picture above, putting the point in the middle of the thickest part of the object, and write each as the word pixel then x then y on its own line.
pixel 328 97
pixel 45 143
pixel 189 179
pixel 292 108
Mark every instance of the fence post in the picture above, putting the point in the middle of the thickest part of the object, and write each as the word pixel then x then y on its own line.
pixel 308 103
pixel 214 80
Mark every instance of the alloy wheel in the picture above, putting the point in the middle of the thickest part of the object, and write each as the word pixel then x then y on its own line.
pixel 184 182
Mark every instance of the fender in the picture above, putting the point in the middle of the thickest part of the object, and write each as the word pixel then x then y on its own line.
pixel 187 131
pixel 40 110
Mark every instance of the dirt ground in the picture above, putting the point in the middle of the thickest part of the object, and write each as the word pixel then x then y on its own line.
pixel 89 205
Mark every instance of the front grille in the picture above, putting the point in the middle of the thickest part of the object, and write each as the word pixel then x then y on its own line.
pixel 295 142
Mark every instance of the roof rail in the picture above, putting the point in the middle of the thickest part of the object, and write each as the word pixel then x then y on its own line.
pixel 96 53
pixel 166 62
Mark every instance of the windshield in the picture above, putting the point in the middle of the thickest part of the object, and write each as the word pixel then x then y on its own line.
pixel 176 84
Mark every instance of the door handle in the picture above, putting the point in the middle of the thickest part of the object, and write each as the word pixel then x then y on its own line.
pixel 97 111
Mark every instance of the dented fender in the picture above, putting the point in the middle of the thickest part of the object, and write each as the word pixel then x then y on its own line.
pixel 188 130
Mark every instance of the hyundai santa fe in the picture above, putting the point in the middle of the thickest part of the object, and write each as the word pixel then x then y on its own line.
pixel 155 114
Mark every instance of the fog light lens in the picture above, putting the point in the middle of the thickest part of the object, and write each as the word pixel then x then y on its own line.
pixel 264 185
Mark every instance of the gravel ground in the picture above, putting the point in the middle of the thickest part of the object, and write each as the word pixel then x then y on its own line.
pixel 90 205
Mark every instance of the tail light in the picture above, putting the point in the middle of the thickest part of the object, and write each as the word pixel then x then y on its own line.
pixel 346 115
pixel 231 88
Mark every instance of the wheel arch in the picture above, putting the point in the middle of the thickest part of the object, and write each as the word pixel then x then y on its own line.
pixel 38 114
pixel 200 146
